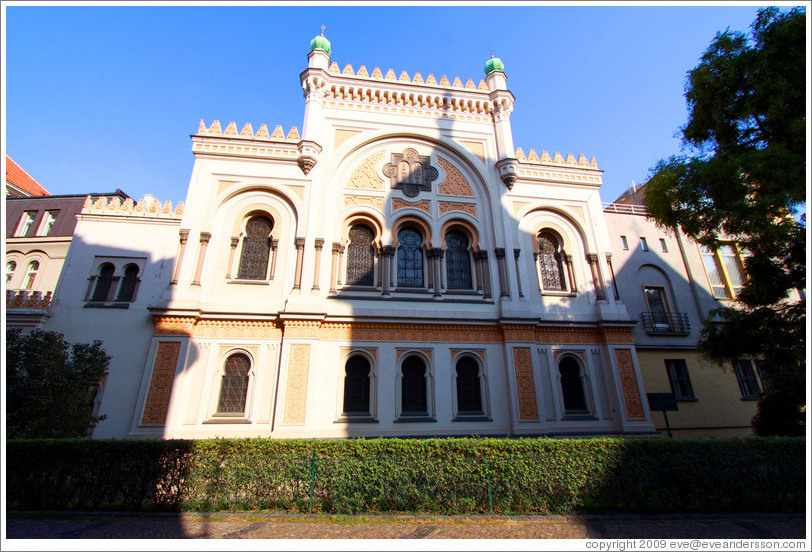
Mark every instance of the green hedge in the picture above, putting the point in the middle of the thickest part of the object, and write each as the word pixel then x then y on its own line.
pixel 411 475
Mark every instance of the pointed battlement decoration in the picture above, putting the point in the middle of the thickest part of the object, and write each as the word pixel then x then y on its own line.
pixel 362 71
pixel 558 159
pixel 376 73
pixel 147 207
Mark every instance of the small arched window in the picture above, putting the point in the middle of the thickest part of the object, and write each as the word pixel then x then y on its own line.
pixel 457 261
pixel 410 258
pixel 11 266
pixel 31 274
pixel 104 282
pixel 413 387
pixel 551 262
pixel 234 385
pixel 126 292
pixel 572 386
pixel 469 389
pixel 256 249
pixel 361 256
pixel 356 386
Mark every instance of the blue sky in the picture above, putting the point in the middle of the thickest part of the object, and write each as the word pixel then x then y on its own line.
pixel 99 98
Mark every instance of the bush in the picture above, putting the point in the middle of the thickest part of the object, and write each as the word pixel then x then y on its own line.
pixel 411 475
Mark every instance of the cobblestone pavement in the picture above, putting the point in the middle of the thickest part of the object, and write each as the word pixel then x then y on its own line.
pixel 226 525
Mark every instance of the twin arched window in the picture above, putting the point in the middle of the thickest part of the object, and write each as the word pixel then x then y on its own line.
pixel 551 262
pixel 234 385
pixel 105 280
pixel 256 249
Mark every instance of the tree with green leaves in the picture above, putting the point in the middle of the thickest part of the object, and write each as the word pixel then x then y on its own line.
pixel 743 178
pixel 51 385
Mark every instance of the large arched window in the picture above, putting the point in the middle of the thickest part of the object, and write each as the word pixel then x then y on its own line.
pixel 551 262
pixel 361 256
pixel 234 385
pixel 356 386
pixel 469 389
pixel 104 281
pixel 126 291
pixel 410 258
pixel 256 249
pixel 457 261
pixel 572 386
pixel 11 266
pixel 414 400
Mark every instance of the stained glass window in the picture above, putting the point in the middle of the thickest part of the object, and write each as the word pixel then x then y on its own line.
pixel 572 387
pixel 234 385
pixel 413 386
pixel 360 256
pixel 410 258
pixel 469 392
pixel 356 386
pixel 126 291
pixel 458 261
pixel 551 265
pixel 256 248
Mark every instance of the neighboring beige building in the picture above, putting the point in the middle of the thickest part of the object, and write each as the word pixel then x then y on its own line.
pixel 397 269
pixel 670 285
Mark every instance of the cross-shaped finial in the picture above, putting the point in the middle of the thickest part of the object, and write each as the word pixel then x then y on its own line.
pixel 491 51
pixel 322 30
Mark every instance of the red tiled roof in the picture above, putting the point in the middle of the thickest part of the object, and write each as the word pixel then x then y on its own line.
pixel 18 177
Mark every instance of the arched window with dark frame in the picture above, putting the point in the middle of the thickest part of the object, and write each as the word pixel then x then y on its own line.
pixel 410 257
pixel 126 291
pixel 11 266
pixel 572 386
pixel 469 389
pixel 361 256
pixel 104 282
pixel 457 261
pixel 551 262
pixel 413 388
pixel 256 249
pixel 31 274
pixel 356 386
pixel 234 385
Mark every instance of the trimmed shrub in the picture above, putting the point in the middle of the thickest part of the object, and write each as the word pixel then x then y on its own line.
pixel 448 476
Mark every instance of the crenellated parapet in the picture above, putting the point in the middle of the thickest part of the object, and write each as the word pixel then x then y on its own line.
pixel 247 131
pixel 404 78
pixel 148 207
pixel 557 159
pixel 26 299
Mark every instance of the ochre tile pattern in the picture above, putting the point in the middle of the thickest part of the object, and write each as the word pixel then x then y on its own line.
pixel 525 384
pixel 454 183
pixel 628 383
pixel 424 205
pixel 447 207
pixel 296 385
pixel 160 384
pixel 374 202
pixel 365 177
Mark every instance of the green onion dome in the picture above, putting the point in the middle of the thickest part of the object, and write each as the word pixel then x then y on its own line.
pixel 494 64
pixel 320 43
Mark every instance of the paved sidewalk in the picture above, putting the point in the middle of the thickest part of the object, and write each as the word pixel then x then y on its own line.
pixel 226 525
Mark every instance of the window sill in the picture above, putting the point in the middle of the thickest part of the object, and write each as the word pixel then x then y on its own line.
pixel 356 420
pixel 578 417
pixel 411 419
pixel 686 399
pixel 249 282
pixel 472 418
pixel 227 420
pixel 359 288
pixel 558 293
pixel 101 305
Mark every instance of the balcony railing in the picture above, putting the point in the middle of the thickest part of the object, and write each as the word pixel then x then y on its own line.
pixel 625 209
pixel 670 323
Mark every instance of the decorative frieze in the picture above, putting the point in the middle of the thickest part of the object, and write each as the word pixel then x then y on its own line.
pixel 160 383
pixel 296 384
pixel 629 384
pixel 525 384
pixel 424 205
pixel 447 207
pixel 454 183
pixel 364 177
pixel 370 201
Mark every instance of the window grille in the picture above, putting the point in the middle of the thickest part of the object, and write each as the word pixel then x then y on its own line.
pixel 458 261
pixel 234 385
pixel 360 256
pixel 551 265
pixel 410 258
pixel 256 248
